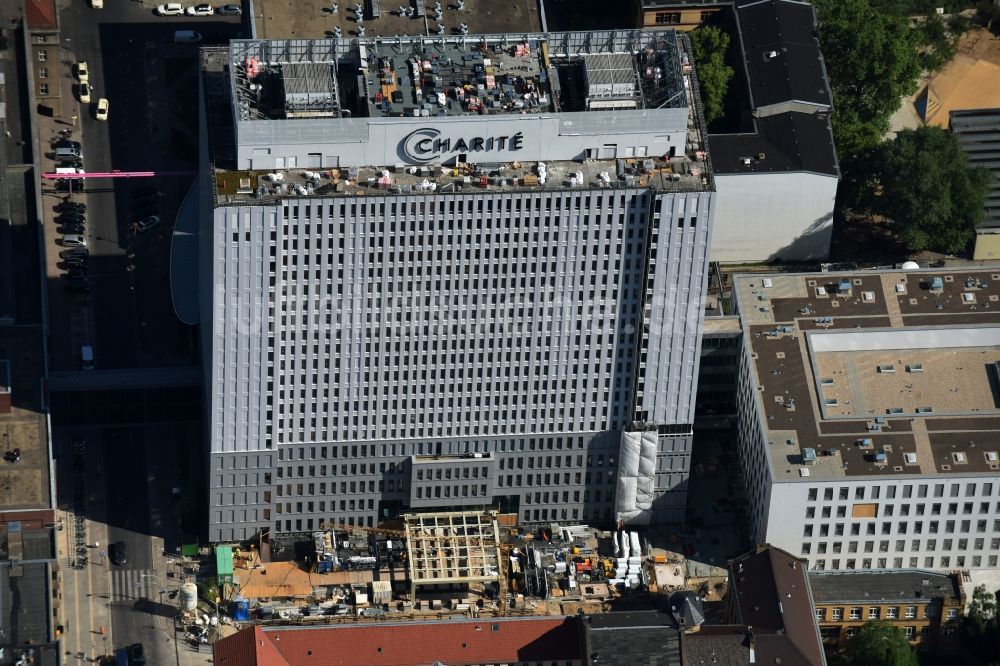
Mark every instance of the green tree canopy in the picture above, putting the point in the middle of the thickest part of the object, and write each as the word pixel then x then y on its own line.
pixel 710 45
pixel 923 183
pixel 877 643
pixel 981 628
pixel 872 62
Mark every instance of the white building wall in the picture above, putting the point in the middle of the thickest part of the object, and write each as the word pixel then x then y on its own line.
pixel 759 217
pixel 944 523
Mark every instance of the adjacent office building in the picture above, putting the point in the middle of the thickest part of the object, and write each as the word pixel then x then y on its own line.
pixel 452 271
pixel 869 417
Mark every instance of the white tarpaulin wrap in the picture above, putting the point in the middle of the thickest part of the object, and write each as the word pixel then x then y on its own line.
pixel 637 477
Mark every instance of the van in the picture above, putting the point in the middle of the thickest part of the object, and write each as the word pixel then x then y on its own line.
pixel 68 152
pixel 67 169
pixel 187 37
pixel 87 358
pixel 74 240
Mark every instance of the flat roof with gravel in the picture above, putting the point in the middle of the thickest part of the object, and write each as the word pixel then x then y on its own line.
pixel 876 373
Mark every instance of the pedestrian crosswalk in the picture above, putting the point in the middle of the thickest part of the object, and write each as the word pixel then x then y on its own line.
pixel 132 584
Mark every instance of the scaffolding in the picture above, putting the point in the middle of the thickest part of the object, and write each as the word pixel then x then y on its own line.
pixel 453 547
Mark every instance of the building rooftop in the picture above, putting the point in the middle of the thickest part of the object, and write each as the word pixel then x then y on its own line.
pixel 633 637
pixel 24 613
pixel 978 132
pixel 520 640
pixel 510 75
pixel 789 95
pixel 24 484
pixel 909 585
pixel 886 374
pixel 770 589
pixel 314 19
pixel 781 53
pixel 783 142
pixel 468 75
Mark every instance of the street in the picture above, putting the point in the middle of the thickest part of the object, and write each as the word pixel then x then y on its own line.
pixel 121 453
pixel 151 83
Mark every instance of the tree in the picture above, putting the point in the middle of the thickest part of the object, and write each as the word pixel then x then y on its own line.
pixel 877 643
pixel 937 42
pixel 871 59
pixel 923 183
pixel 981 627
pixel 710 45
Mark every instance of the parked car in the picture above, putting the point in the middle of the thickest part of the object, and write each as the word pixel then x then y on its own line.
pixel 70 163
pixel 147 223
pixel 229 10
pixel 119 553
pixel 82 72
pixel 71 218
pixel 71 207
pixel 72 229
pixel 200 10
pixel 75 252
pixel 170 9
pixel 85 93
pixel 102 109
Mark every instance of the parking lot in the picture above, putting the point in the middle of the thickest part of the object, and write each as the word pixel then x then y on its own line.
pixel 124 311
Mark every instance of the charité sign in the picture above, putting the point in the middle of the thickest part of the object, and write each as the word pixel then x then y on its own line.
pixel 426 145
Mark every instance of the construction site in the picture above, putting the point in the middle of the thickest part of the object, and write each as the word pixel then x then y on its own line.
pixel 432 566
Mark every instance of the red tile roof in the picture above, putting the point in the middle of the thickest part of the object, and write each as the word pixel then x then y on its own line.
pixel 40 14
pixel 409 644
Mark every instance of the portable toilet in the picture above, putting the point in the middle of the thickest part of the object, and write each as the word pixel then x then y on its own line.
pixel 241 610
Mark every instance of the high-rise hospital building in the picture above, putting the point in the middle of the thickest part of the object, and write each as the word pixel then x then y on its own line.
pixel 451 272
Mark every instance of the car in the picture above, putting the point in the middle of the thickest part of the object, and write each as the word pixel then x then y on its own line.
pixel 76 262
pixel 82 71
pixel 135 655
pixel 119 553
pixel 200 10
pixel 170 9
pixel 72 229
pixel 85 93
pixel 75 252
pixel 12 456
pixel 147 223
pixel 71 218
pixel 97 4
pixel 229 10
pixel 71 207
pixel 102 109
pixel 70 163
pixel 72 145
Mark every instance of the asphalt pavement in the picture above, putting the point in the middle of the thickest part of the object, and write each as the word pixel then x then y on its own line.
pixel 151 84
pixel 132 464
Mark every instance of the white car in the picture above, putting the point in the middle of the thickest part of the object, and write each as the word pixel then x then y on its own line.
pixel 147 223
pixel 97 4
pixel 102 109
pixel 85 93
pixel 82 72
pixel 200 10
pixel 170 9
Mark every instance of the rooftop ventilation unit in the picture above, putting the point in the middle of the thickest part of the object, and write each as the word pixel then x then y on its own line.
pixel 915 367
pixel 959 458
pixel 910 458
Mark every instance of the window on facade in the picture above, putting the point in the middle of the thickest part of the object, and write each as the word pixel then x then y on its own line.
pixel 668 18
pixel 892 612
pixel 43 89
pixel 820 614
pixel 838 613
pixel 856 613
pixel 873 612
pixel 911 611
